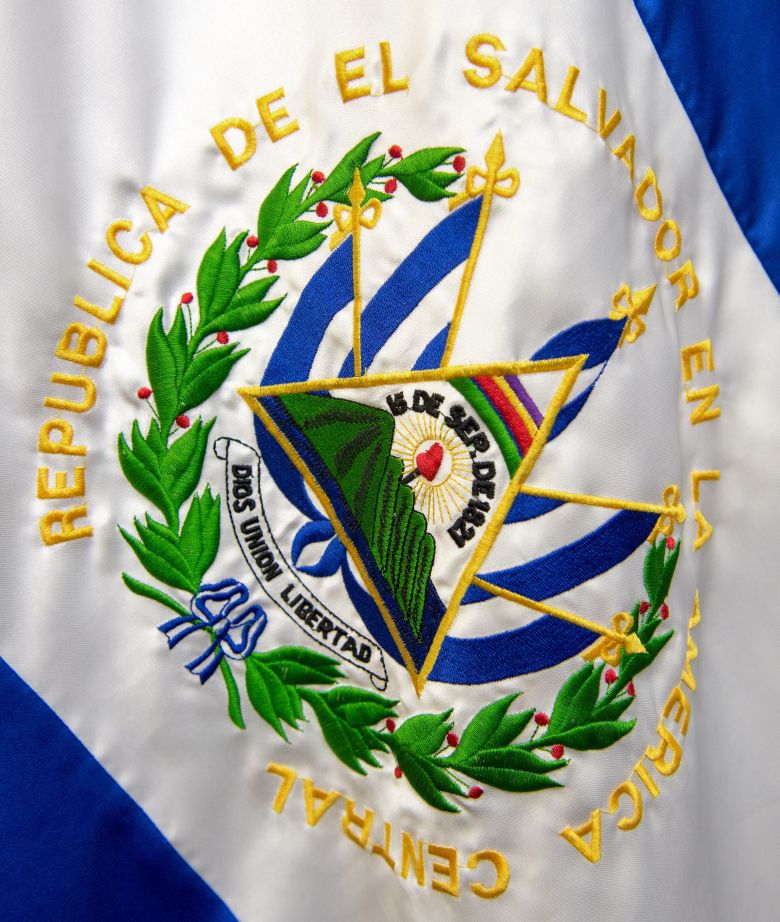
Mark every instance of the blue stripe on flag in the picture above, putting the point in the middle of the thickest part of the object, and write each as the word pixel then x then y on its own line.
pixel 722 59
pixel 73 843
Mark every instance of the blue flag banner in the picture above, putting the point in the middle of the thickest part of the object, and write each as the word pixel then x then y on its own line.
pixel 723 61
pixel 73 844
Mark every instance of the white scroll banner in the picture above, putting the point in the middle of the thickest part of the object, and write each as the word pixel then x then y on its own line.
pixel 278 579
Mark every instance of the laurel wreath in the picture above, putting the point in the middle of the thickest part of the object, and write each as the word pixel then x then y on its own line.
pixel 186 365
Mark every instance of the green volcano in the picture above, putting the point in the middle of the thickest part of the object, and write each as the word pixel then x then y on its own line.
pixel 353 442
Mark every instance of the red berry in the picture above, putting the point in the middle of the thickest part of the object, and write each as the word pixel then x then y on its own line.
pixel 664 612
pixel 321 210
pixel 670 543
pixel 271 265
pixel 631 689
pixel 186 298
pixel 183 421
pixel 453 739
pixel 541 719
pixel 475 792
pixel 459 163
pixel 318 176
pixel 391 185
pixel 398 773
pixel 252 242
pixel 557 751
pixel 390 724
pixel 610 676
pixel 223 338
pixel 645 606
pixel 396 152
pixel 144 393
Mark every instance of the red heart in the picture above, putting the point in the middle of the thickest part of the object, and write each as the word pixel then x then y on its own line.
pixel 429 462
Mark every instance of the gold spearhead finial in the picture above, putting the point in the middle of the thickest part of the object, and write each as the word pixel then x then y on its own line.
pixel 490 181
pixel 494 158
pixel 631 306
pixel 357 190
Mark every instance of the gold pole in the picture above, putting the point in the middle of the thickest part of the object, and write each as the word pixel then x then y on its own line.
pixel 355 195
pixel 605 502
pixel 494 178
pixel 631 642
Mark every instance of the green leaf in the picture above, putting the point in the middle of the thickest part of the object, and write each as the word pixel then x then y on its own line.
pixel 162 531
pixel 181 468
pixel 422 161
pixel 427 779
pixel 300 666
pixel 253 292
pixel 378 194
pixel 200 533
pixel 295 199
pixel 424 733
pixel 515 781
pixel 668 574
pixel 441 179
pixel 177 340
pixel 161 369
pixel 301 231
pixel 218 277
pixel 653 569
pixel 511 727
pixel 156 595
pixel 483 726
pixel 370 170
pixel 272 210
pixel 612 710
pixel 246 316
pixel 510 768
pixel 515 758
pixel 341 176
pixel 304 656
pixel 234 699
pixel 596 735
pixel 427 187
pixel 158 566
pixel 155 441
pixel 143 452
pixel 143 479
pixel 294 241
pixel 207 373
pixel 208 271
pixel 360 707
pixel 268 696
pixel 576 698
pixel 162 542
pixel 346 743
pixel 299 250
pixel 298 674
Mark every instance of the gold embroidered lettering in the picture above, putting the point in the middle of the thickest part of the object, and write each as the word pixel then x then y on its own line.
pixel 501 867
pixel 234 158
pixel 534 62
pixel 81 355
pixel 451 883
pixel 270 118
pixel 487 61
